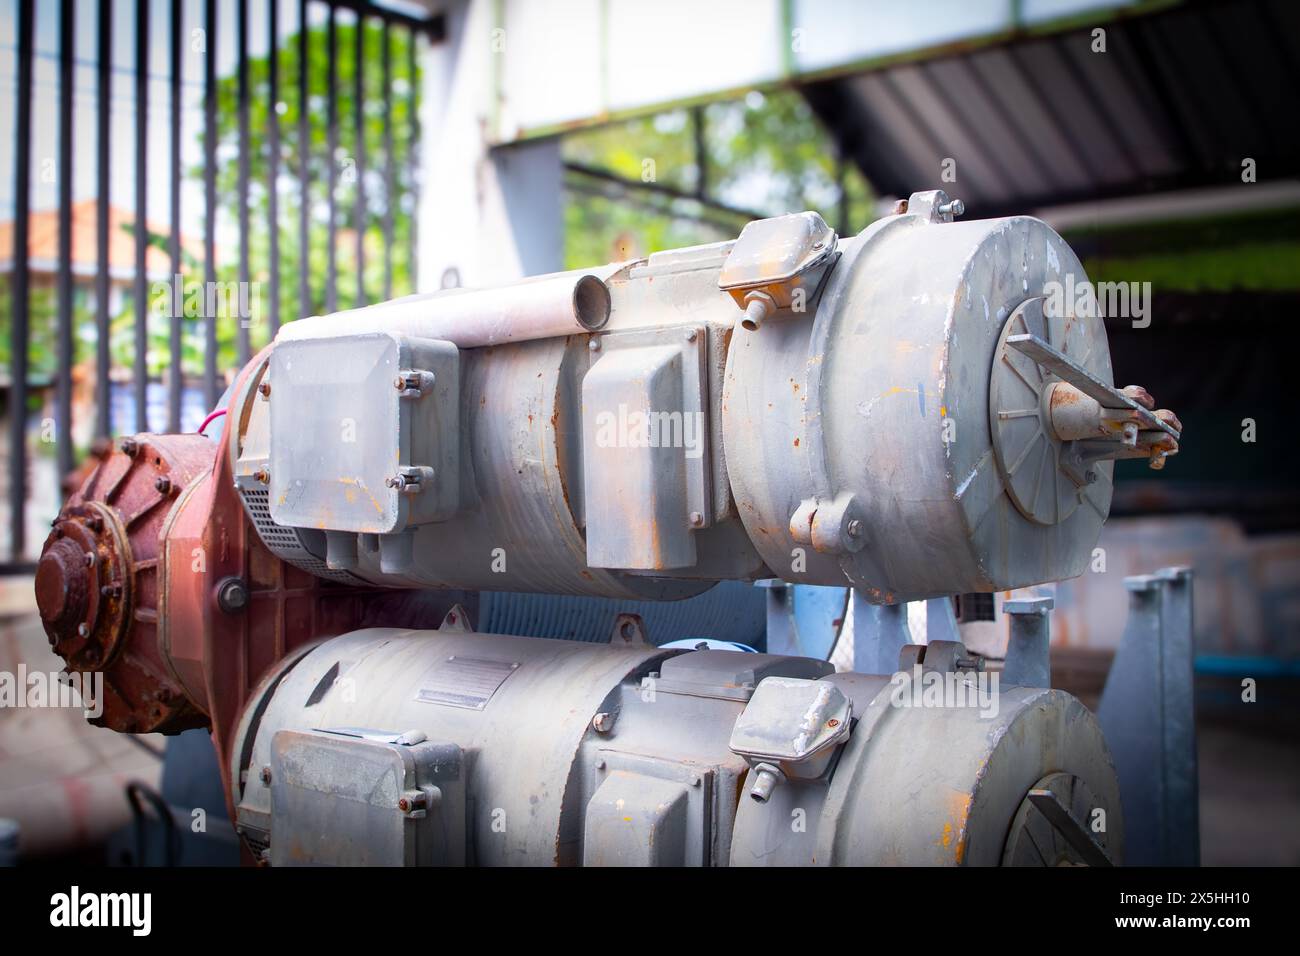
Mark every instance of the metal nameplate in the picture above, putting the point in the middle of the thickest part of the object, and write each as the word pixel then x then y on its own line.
pixel 467 682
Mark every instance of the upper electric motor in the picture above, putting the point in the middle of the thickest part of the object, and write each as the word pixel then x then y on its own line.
pixel 902 411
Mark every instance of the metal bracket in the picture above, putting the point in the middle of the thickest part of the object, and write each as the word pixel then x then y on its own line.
pixel 1147 715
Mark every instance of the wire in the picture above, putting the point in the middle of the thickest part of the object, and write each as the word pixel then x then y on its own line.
pixel 211 418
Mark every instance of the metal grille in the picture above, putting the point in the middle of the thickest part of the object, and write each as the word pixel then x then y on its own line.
pixel 286 543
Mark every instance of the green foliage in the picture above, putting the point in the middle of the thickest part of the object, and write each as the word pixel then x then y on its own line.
pixel 765 155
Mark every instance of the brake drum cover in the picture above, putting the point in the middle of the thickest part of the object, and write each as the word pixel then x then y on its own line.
pixel 890 408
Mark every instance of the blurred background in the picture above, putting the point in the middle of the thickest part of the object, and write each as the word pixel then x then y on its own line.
pixel 308 156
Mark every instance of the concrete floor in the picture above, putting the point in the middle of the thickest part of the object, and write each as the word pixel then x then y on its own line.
pixel 1250 786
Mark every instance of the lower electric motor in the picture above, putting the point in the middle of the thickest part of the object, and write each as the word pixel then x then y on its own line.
pixel 391 747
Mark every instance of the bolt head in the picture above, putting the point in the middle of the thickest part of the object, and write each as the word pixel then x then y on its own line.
pixel 232 595
pixel 163 484
pixel 854 528
pixel 266 776
pixel 264 388
pixel 697 519
pixel 594 345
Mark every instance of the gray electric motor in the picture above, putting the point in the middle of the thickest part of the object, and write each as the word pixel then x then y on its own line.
pixel 899 411
pixel 448 747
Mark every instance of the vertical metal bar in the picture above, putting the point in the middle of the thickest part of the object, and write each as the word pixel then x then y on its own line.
pixel 701 153
pixel 63 381
pixel 841 182
pixel 1182 846
pixel 141 214
pixel 331 155
pixel 273 160
pixel 413 161
pixel 241 39
pixel 304 169
pixel 359 130
pixel 390 164
pixel 211 392
pixel 104 109
pixel 20 306
pixel 175 374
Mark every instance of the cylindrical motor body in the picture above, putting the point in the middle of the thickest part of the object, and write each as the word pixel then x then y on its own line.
pixel 853 436
pixel 452 747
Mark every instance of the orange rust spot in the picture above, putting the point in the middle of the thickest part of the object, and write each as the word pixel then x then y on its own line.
pixel 796 443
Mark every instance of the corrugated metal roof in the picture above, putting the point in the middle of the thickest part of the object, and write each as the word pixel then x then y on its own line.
pixel 1178 99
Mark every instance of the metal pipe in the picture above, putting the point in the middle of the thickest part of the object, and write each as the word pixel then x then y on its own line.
pixel 359 138
pixel 413 160
pixel 564 303
pixel 141 215
pixel 176 376
pixel 390 166
pixel 245 237
pixel 210 392
pixel 103 108
pixel 21 306
pixel 273 160
pixel 304 171
pixel 331 161
pixel 63 387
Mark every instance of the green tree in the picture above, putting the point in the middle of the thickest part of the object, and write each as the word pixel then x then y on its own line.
pixel 765 154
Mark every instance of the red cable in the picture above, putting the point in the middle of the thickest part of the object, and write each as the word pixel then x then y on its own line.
pixel 212 417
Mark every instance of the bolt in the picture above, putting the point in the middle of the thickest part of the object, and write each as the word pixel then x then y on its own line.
pixel 232 595
pixel 83 629
pixel 695 780
pixel 600 764
pixel 265 388
pixel 163 484
pixel 404 805
pixel 690 335
pixel 697 519
pixel 90 559
pixel 262 475
pixel 594 345
pixel 603 722
pixel 854 528
pixel 266 776
pixel 954 208
pixel 95 523
pixel 130 447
